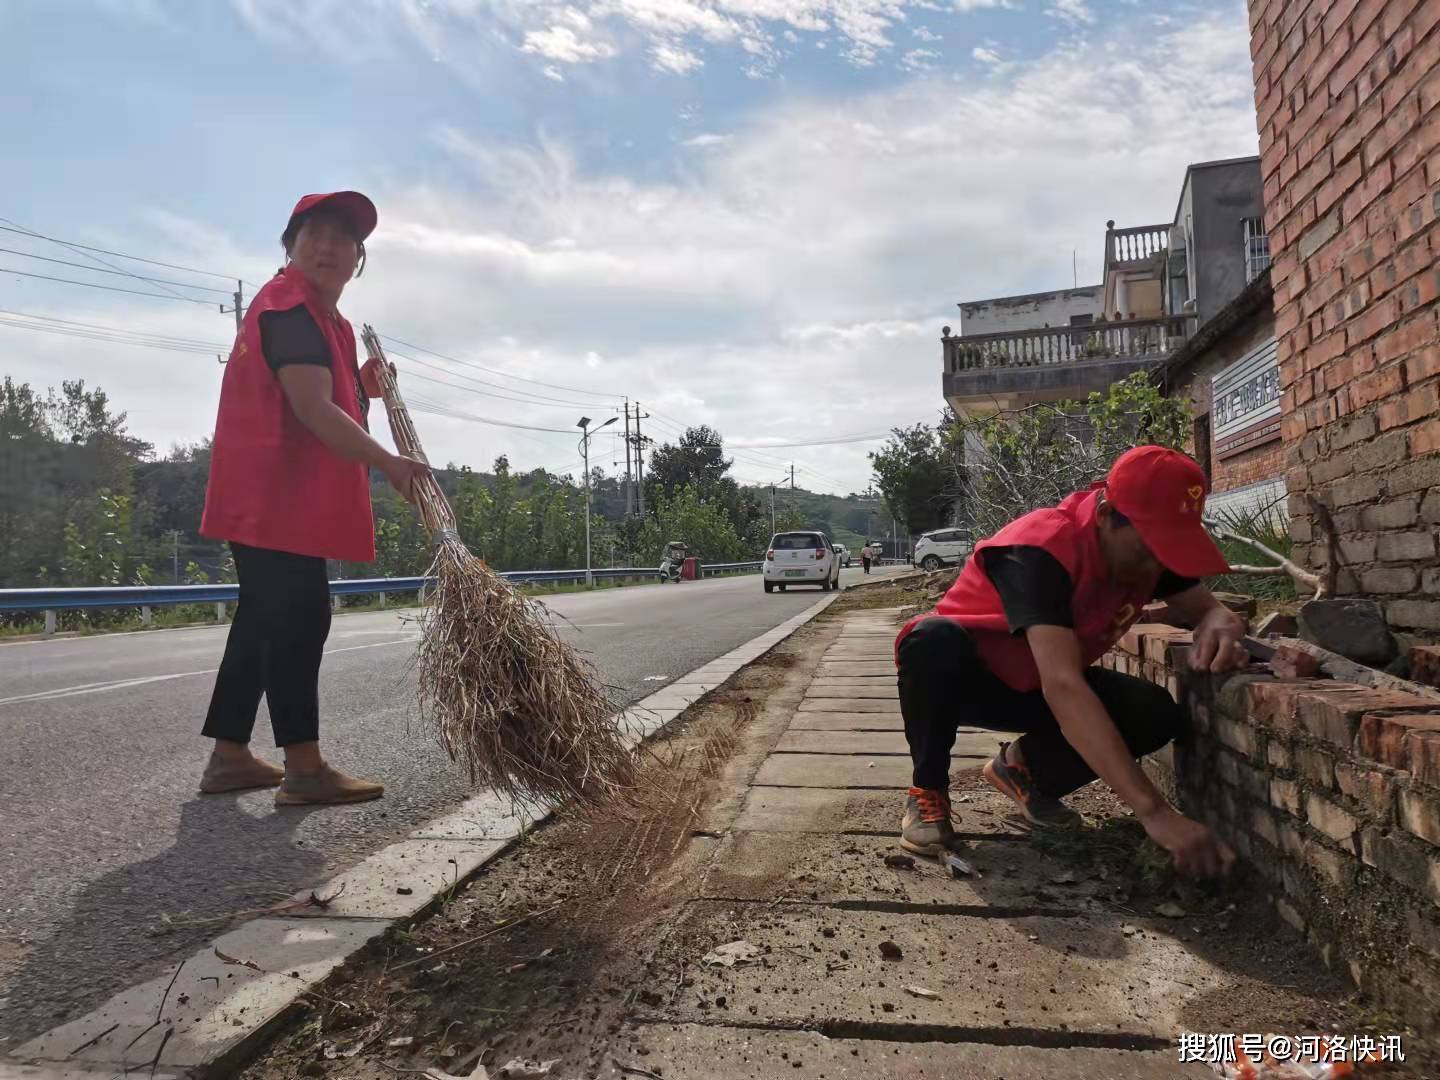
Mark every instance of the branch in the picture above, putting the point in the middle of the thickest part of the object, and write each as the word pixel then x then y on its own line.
pixel 1299 574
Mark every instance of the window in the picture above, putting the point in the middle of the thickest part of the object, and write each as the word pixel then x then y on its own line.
pixel 1257 249
pixel 797 541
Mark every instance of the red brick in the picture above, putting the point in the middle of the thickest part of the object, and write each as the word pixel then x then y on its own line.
pixel 1336 716
pixel 1376 181
pixel 1380 315
pixel 1341 61
pixel 1372 789
pixel 1425 664
pixel 1420 815
pixel 1406 337
pixel 1425 439
pixel 1430 93
pixel 1415 405
pixel 1419 291
pixel 1414 66
pixel 1422 365
pixel 1424 757
pixel 1274 703
pixel 1334 821
pixel 1393 16
pixel 1372 388
pixel 1353 132
pixel 1384 738
pixel 1320 291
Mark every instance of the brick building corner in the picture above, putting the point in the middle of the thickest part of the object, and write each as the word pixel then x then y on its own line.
pixel 1348 100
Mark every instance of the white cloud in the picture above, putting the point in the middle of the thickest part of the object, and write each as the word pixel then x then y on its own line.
pixel 985 55
pixel 822 244
pixel 919 60
pixel 707 140
pixel 924 33
pixel 1075 12
pixel 562 45
pixel 675 59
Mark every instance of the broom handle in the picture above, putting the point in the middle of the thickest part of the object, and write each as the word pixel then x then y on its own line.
pixel 430 500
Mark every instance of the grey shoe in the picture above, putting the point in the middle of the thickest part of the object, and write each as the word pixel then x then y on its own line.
pixel 326 787
pixel 926 828
pixel 222 774
pixel 1016 782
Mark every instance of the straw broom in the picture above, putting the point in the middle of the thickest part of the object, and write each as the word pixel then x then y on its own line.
pixel 507 698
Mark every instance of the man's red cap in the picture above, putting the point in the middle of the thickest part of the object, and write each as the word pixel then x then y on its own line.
pixel 1163 492
pixel 359 209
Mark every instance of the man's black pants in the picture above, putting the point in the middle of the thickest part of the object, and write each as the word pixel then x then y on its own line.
pixel 276 643
pixel 944 686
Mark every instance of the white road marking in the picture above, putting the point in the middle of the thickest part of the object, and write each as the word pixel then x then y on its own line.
pixel 125 684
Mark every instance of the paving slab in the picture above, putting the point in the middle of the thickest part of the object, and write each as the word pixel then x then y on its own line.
pixel 844 742
pixel 212 1006
pixel 398 880
pixel 846 721
pixel 1028 972
pixel 839 810
pixel 871 653
pixel 10 1071
pixel 850 678
pixel 875 692
pixel 765 866
pixel 711 1051
pixel 878 705
pixel 482 817
pixel 875 668
pixel 830 770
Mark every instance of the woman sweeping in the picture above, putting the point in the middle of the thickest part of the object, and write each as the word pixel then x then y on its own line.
pixel 289 488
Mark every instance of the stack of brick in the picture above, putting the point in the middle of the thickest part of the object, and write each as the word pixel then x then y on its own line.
pixel 1331 791
pixel 1348 101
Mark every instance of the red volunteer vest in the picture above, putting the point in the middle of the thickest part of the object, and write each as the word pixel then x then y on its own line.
pixel 1103 610
pixel 273 484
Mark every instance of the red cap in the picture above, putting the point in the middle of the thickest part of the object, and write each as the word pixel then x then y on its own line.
pixel 1162 492
pixel 359 209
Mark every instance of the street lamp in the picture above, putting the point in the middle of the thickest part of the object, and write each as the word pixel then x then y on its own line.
pixel 584 425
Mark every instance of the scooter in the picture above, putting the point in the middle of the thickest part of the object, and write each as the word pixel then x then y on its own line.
pixel 671 561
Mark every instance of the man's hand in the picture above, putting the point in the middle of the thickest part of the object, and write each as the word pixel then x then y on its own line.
pixel 1194 850
pixel 1217 639
pixel 404 474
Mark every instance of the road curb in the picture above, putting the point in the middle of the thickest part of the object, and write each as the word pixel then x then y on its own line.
pixel 221 1005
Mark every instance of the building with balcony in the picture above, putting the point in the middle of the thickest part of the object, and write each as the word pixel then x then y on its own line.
pixel 1187 300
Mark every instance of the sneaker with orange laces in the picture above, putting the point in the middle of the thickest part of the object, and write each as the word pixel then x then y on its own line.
pixel 1017 782
pixel 926 828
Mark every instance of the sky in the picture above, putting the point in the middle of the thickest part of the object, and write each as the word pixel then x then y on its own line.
pixel 753 214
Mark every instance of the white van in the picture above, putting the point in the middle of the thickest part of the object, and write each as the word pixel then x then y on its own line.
pixel 942 547
pixel 801 558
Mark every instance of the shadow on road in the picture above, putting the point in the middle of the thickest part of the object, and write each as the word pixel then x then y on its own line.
pixel 225 863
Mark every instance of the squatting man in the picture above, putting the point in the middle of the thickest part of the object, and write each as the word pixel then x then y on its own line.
pixel 1011 644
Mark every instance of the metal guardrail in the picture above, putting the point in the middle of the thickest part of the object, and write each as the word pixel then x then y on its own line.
pixel 145 597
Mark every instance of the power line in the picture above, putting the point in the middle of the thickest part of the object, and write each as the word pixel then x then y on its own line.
pixel 495 371
pixel 113 335
pixel 114 254
pixel 456 415
pixel 107 288
pixel 117 273
pixel 528 399
pixel 207 345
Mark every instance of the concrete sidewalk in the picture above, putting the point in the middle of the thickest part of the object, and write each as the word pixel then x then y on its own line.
pixel 990 981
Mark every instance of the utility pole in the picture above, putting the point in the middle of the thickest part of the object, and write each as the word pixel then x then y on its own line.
pixel 792 476
pixel 239 306
pixel 629 488
pixel 772 509
pixel 175 553
pixel 584 425
pixel 640 460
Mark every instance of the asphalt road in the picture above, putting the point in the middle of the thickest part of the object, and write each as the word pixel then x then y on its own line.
pixel 103 836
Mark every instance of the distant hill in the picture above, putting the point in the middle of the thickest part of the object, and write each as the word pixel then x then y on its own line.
pixel 843 518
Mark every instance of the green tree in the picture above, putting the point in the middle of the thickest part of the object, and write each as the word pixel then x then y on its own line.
pixel 916 477
pixel 1018 462
pixel 702 526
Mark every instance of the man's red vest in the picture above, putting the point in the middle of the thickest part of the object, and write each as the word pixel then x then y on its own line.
pixel 1102 610
pixel 273 484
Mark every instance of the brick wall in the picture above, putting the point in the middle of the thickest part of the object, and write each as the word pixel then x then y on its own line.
pixel 1348 100
pixel 1265 462
pixel 1331 793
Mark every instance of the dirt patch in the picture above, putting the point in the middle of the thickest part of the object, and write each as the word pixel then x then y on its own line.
pixel 552 947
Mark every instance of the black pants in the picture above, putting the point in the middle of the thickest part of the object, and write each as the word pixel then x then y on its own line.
pixel 276 642
pixel 944 686
pixel 865 562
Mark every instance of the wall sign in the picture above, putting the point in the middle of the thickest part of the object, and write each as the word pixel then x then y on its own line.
pixel 1245 394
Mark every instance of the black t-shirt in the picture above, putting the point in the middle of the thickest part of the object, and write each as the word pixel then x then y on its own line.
pixel 293 337
pixel 1036 590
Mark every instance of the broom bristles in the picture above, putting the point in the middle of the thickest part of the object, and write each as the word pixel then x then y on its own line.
pixel 511 702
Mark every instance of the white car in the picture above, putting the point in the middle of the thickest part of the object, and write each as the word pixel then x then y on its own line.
pixel 801 558
pixel 843 554
pixel 943 547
